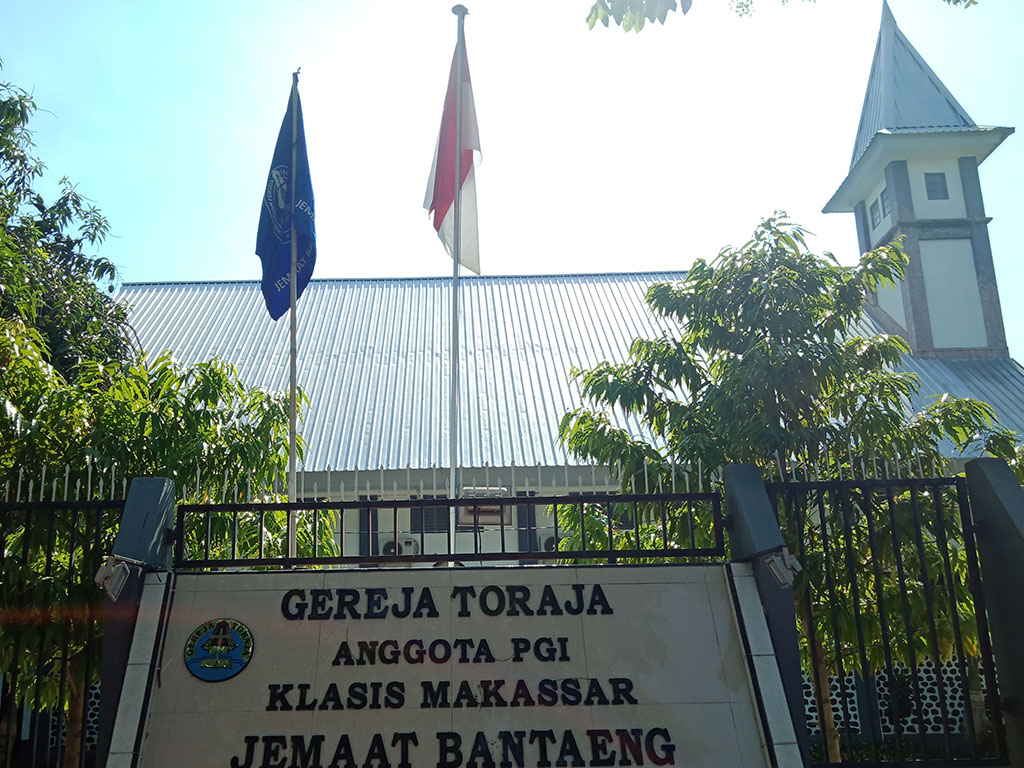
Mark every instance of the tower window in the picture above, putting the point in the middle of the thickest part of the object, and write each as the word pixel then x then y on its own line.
pixel 884 199
pixel 935 186
pixel 876 218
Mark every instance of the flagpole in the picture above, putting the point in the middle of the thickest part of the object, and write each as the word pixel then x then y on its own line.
pixel 453 399
pixel 293 357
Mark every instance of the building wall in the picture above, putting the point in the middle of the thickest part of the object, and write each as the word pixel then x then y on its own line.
pixel 880 232
pixel 891 300
pixel 954 207
pixel 951 287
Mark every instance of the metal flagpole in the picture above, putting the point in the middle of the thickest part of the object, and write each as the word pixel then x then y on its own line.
pixel 292 514
pixel 453 399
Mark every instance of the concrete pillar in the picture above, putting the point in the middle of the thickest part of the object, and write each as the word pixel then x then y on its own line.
pixel 997 505
pixel 755 537
pixel 144 542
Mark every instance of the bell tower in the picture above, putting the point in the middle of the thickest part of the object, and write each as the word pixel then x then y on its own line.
pixel 914 172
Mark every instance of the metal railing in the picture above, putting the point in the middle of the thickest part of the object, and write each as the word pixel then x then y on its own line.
pixel 894 636
pixel 50 626
pixel 579 527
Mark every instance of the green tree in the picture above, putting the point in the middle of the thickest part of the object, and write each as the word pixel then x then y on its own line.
pixel 77 396
pixel 770 367
pixel 48 280
pixel 633 15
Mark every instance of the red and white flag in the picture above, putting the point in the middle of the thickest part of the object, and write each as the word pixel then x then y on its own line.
pixel 440 197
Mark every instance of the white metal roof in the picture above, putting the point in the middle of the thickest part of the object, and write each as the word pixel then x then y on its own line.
pixel 374 357
pixel 903 92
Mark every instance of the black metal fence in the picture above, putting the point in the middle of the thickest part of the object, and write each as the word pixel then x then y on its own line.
pixel 50 628
pixel 575 527
pixel 898 663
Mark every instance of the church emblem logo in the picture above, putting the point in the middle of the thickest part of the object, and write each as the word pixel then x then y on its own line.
pixel 278 203
pixel 218 650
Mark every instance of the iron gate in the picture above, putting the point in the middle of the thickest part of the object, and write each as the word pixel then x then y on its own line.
pixel 897 656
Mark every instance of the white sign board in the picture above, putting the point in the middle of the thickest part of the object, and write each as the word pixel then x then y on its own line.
pixel 453 668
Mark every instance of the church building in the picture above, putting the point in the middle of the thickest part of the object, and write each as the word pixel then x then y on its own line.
pixel 374 356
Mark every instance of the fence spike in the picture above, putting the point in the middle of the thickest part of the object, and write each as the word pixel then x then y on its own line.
pixel 686 476
pixel 408 479
pixel 512 482
pixel 113 479
pixel 849 452
pixel 672 467
pixel 647 481
pixel 42 485
pixel 7 490
pixel 78 488
pixel 53 490
pixel 67 478
pixel 700 474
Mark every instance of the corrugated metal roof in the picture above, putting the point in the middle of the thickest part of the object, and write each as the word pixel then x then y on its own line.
pixel 373 358
pixel 903 92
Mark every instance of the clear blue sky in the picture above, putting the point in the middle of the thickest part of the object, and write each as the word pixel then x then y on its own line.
pixel 602 150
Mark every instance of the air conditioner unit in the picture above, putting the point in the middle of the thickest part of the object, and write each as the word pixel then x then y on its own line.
pixel 406 545
pixel 484 513
pixel 548 542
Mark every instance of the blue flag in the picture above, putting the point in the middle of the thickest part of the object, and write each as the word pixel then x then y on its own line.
pixel 273 240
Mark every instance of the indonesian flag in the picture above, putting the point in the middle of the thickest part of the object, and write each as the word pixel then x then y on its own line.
pixel 440 197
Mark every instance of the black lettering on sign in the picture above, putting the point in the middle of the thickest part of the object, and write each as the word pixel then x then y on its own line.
pixel 319 608
pixel 293 604
pixel 542 738
pixel 250 747
pixel 279 697
pixel 449 752
pixel 306 756
pixel 272 757
pixel 599 748
pixel 569 749
pixel 435 695
pixel 665 755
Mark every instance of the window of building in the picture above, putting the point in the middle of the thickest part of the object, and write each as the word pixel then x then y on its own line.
pixel 876 218
pixel 884 200
pixel 428 519
pixel 935 186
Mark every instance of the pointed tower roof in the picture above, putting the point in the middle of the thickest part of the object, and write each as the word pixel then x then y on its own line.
pixel 903 92
pixel 907 113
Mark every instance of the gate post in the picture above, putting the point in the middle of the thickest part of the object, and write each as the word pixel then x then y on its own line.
pixel 997 507
pixel 143 544
pixel 755 537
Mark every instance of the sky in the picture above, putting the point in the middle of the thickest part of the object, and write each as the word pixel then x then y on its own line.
pixel 602 151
